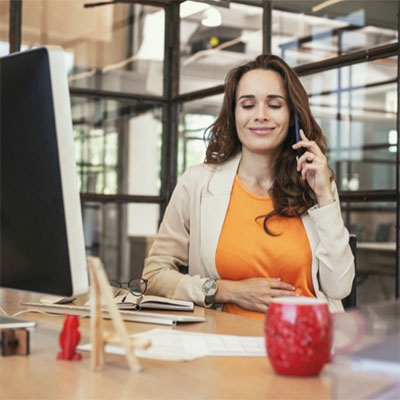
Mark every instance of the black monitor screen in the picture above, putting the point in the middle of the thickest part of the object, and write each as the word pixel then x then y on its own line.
pixel 34 243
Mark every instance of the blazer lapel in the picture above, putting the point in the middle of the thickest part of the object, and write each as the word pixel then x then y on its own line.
pixel 214 205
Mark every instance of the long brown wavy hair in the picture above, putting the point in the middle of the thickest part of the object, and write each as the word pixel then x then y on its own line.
pixel 290 194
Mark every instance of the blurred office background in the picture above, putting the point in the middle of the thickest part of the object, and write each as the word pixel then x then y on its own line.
pixel 146 80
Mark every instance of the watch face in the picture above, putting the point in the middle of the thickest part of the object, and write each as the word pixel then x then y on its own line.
pixel 210 287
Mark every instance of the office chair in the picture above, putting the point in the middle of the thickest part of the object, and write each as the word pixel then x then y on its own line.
pixel 356 229
pixel 351 299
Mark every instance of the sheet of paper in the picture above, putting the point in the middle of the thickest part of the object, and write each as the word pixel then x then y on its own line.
pixel 174 345
pixel 226 345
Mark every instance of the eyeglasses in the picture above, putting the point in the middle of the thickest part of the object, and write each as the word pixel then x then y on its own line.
pixel 136 286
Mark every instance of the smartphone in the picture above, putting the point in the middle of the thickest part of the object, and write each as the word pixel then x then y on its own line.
pixel 300 151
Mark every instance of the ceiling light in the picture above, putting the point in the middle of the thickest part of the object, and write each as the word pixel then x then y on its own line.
pixel 211 17
pixel 191 7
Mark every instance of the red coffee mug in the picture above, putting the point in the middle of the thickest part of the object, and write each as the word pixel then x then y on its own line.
pixel 298 335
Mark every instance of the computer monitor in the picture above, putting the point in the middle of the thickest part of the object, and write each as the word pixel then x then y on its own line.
pixel 42 242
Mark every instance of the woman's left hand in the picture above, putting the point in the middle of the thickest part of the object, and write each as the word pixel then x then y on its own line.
pixel 313 166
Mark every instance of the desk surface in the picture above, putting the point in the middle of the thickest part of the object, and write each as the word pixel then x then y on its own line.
pixel 40 375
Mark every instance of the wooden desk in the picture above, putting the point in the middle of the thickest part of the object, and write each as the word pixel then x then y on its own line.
pixel 41 376
pixel 377 257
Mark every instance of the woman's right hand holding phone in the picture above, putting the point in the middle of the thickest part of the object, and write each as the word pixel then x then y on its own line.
pixel 313 167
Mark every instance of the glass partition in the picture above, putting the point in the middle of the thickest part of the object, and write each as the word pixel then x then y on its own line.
pixel 112 230
pixel 371 222
pixel 118 47
pixel 102 230
pixel 348 79
pixel 195 117
pixel 214 40
pixel 356 107
pixel 113 140
pixel 305 32
pixel 374 226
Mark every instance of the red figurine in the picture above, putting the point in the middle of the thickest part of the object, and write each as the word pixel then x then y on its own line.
pixel 69 339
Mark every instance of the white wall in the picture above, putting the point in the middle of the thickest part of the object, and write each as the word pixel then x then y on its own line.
pixel 143 169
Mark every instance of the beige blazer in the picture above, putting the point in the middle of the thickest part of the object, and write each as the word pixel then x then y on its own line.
pixel 192 224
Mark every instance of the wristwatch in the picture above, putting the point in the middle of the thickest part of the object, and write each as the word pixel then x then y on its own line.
pixel 210 289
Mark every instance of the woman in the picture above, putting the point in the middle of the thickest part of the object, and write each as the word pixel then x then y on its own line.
pixel 255 221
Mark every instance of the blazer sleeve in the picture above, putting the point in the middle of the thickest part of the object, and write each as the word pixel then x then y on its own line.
pixel 171 249
pixel 335 259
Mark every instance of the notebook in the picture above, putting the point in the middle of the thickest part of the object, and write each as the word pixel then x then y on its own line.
pixel 131 302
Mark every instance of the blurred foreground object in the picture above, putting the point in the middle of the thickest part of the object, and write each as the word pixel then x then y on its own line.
pixel 14 342
pixel 371 367
pixel 69 339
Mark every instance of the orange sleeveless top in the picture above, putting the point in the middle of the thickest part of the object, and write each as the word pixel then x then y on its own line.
pixel 245 250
